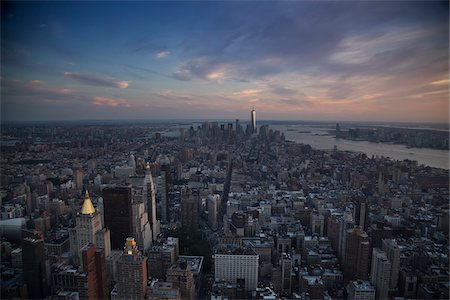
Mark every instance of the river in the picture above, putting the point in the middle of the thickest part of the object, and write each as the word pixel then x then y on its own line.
pixel 317 138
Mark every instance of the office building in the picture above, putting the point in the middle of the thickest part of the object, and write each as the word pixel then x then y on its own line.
pixel 392 250
pixel 213 211
pixel 117 203
pixel 240 263
pixel 141 226
pixel 357 253
pixel 161 257
pixel 181 277
pixel 286 273
pixel 35 266
pixel 189 211
pixel 131 272
pixel 88 230
pixel 78 178
pixel 360 290
pixel 380 273
pixel 92 283
pixel 149 197
pixel 317 223
pixel 253 120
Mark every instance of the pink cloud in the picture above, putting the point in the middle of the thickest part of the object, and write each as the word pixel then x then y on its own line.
pixel 102 101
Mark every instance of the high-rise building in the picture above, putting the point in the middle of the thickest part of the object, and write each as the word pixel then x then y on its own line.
pixel 392 250
pixel 360 290
pixel 35 266
pixel 286 273
pixel 89 229
pixel 357 253
pixel 380 273
pixel 181 276
pixel 117 202
pixel 94 278
pixel 132 272
pixel 132 163
pixel 317 223
pixel 253 119
pixel 78 177
pixel 240 263
pixel 141 225
pixel 189 211
pixel 213 211
pixel 149 197
pixel 161 257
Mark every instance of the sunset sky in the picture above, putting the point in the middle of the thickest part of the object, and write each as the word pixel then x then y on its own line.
pixel 371 61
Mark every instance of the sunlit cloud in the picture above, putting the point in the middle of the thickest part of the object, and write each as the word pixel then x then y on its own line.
pixel 215 76
pixel 440 82
pixel 97 80
pixel 248 92
pixel 102 101
pixel 162 54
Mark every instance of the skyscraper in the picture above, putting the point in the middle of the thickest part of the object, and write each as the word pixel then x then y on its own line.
pixel 356 255
pixel 189 211
pixel 132 272
pixel 380 273
pixel 141 226
pixel 93 280
pixel 117 202
pixel 35 266
pixel 89 229
pixel 253 119
pixel 213 211
pixel 149 197
pixel 392 250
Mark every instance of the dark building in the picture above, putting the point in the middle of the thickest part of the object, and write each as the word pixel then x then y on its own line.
pixel 356 255
pixel 94 268
pixel 117 202
pixel 189 211
pixel 36 269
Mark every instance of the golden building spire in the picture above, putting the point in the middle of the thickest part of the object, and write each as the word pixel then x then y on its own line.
pixel 88 207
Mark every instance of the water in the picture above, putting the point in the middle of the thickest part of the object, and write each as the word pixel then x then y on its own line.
pixel 315 136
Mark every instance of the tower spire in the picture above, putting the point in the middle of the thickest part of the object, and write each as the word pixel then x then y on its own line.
pixel 88 207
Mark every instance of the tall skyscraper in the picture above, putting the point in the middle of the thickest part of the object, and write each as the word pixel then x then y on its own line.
pixel 35 266
pixel 213 211
pixel 141 226
pixel 117 202
pixel 149 197
pixel 78 176
pixel 253 119
pixel 89 229
pixel 286 273
pixel 92 284
pixel 357 253
pixel 189 211
pixel 132 272
pixel 380 273
pixel 392 250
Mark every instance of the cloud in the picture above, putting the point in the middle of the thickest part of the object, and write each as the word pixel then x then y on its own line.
pixel 97 80
pixel 162 54
pixel 102 101
pixel 440 82
pixel 248 92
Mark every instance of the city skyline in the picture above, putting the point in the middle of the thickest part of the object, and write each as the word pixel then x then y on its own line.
pixel 351 61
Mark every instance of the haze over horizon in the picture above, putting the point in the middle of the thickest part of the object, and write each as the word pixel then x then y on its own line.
pixel 350 61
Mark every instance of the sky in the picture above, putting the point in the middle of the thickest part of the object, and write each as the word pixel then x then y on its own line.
pixel 290 60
